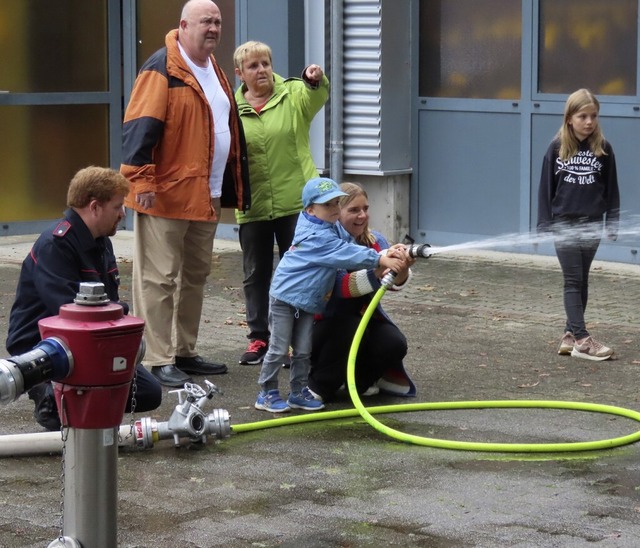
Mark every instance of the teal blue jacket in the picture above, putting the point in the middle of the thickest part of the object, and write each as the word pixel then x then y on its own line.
pixel 280 161
pixel 305 275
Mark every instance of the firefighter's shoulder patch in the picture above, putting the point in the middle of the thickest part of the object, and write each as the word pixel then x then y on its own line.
pixel 61 230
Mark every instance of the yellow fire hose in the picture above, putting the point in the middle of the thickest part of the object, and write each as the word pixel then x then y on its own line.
pixel 367 413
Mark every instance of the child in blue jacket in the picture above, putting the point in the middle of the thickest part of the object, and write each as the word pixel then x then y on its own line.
pixel 301 286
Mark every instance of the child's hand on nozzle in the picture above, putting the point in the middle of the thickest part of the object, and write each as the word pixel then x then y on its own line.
pixel 391 263
pixel 397 250
pixel 400 251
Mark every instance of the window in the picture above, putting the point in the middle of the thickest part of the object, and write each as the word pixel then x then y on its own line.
pixel 470 48
pixel 44 146
pixel 51 53
pixel 53 46
pixel 588 44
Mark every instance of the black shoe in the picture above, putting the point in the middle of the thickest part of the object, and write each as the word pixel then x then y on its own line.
pixel 170 375
pixel 197 366
pixel 46 410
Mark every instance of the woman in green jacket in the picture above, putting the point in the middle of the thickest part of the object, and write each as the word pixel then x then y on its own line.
pixel 276 115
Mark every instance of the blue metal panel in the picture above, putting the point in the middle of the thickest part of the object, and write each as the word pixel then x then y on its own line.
pixel 620 132
pixel 115 85
pixel 278 23
pixel 543 129
pixel 396 87
pixel 469 166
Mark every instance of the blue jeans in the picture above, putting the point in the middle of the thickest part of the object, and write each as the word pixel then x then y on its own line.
pixel 576 246
pixel 293 327
pixel 256 241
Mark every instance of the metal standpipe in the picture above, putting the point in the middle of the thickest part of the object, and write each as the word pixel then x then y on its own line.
pixel 90 489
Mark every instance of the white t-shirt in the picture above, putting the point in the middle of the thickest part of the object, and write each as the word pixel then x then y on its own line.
pixel 220 106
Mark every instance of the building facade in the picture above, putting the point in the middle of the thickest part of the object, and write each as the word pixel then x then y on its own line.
pixel 442 109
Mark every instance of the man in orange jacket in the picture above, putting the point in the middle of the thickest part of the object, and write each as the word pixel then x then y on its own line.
pixel 184 154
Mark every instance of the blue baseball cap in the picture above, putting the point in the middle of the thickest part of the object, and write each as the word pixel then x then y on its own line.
pixel 320 190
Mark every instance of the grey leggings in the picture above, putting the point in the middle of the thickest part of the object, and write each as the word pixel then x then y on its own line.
pixel 576 247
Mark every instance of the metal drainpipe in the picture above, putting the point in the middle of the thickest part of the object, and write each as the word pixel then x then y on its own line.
pixel 336 136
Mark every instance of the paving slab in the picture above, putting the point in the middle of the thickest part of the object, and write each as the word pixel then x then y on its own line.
pixel 481 326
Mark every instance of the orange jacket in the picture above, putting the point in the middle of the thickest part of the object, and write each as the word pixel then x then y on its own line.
pixel 168 141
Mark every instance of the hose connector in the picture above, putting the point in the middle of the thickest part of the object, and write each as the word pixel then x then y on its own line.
pixel 49 360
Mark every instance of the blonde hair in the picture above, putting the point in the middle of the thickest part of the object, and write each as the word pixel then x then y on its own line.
pixel 569 143
pixel 354 190
pixel 95 183
pixel 252 47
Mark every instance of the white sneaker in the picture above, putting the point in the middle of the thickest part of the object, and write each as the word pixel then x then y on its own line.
pixel 388 386
pixel 590 349
pixel 373 390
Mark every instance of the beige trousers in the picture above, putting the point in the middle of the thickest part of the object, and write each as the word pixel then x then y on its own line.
pixel 171 262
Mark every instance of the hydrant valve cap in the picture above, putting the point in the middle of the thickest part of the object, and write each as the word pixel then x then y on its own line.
pixel 91 294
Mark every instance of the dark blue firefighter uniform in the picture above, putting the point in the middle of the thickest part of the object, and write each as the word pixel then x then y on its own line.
pixel 64 255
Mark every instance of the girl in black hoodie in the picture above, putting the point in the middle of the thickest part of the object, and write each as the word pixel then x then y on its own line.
pixel 578 190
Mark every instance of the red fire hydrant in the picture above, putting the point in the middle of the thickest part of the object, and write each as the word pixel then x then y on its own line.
pixel 105 346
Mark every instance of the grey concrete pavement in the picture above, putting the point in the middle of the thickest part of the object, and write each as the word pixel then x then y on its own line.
pixel 481 326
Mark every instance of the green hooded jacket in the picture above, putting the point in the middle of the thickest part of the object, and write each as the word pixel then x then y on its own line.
pixel 280 161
